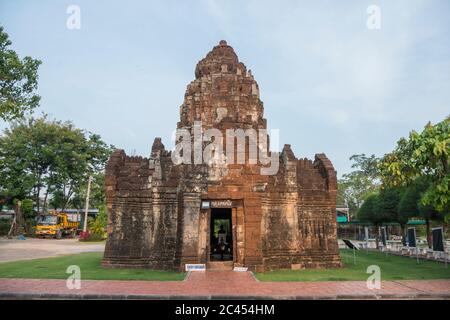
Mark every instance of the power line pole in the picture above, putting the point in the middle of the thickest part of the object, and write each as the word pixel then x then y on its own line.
pixel 87 204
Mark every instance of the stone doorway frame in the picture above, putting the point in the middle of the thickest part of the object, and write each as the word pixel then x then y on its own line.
pixel 237 227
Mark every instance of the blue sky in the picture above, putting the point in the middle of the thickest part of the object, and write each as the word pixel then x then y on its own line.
pixel 327 82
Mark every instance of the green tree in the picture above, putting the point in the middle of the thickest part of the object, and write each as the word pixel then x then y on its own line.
pixel 27 208
pixel 424 154
pixel 411 205
pixel 18 81
pixel 380 208
pixel 369 212
pixel 57 200
pixel 25 157
pixel 81 155
pixel 389 199
pixel 357 185
pixel 49 159
pixel 408 206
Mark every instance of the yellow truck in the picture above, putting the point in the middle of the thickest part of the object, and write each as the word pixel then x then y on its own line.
pixel 56 224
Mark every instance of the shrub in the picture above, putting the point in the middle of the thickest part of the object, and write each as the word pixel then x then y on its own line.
pixel 5 225
pixel 97 227
pixel 87 237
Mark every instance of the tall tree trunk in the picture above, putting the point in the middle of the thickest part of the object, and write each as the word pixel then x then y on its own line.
pixel 44 206
pixel 18 223
pixel 69 194
pixel 38 204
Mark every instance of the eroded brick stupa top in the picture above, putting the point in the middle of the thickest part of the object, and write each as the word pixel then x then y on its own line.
pixel 223 94
pixel 220 56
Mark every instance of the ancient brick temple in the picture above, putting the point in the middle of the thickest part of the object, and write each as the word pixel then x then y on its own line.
pixel 163 215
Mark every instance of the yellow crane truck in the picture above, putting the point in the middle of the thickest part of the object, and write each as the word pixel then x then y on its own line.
pixel 56 224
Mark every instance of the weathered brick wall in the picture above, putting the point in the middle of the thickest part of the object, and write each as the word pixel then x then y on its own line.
pixel 142 215
pixel 317 187
pixel 299 215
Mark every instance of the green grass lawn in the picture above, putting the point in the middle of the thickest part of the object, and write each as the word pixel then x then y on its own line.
pixel 392 268
pixel 89 263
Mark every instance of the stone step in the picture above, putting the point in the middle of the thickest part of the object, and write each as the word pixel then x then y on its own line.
pixel 219 266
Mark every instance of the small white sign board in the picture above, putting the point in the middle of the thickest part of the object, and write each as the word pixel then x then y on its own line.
pixel 195 267
pixel 240 269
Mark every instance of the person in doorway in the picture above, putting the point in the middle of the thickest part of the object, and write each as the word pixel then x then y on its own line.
pixel 222 235
pixel 222 248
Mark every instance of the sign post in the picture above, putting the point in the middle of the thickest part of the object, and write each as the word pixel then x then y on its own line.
pixel 352 246
pixel 384 239
pixel 438 242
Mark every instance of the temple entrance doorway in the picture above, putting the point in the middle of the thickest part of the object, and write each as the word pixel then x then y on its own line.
pixel 221 236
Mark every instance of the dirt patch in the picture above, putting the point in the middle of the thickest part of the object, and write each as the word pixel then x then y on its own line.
pixel 13 249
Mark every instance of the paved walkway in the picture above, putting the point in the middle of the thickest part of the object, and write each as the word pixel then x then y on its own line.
pixel 223 284
pixel 31 248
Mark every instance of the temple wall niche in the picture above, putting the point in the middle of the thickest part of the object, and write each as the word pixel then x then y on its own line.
pixel 279 227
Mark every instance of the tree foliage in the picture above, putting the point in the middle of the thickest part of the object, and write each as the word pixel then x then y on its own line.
pixel 369 210
pixel 97 194
pixel 424 154
pixel 411 205
pixel 18 81
pixel 49 159
pixel 380 207
pixel 356 186
pixel 388 202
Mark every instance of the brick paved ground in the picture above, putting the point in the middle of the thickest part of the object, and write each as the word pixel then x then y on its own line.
pixel 222 285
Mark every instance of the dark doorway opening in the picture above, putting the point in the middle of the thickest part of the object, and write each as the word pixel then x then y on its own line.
pixel 221 237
